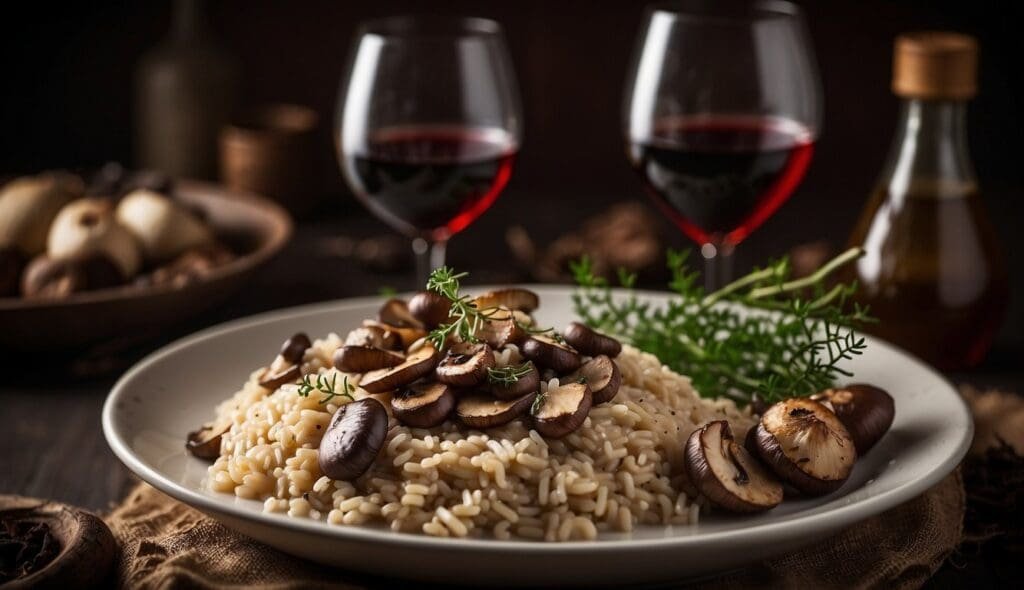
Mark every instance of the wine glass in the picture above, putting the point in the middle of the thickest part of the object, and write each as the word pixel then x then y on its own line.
pixel 721 117
pixel 429 125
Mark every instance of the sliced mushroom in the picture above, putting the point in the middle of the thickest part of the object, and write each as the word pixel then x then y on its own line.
pixel 423 404
pixel 513 298
pixel 465 364
pixel 562 409
pixel 12 261
pixel 86 227
pixel 205 442
pixel 353 439
pixel 164 228
pixel 417 364
pixel 726 474
pixel 49 278
pixel 550 353
pixel 806 445
pixel 483 411
pixel 395 312
pixel 360 359
pixel 279 373
pixel 591 342
pixel 407 335
pixel 602 376
pixel 375 336
pixel 294 348
pixel 528 382
pixel 866 411
pixel 430 308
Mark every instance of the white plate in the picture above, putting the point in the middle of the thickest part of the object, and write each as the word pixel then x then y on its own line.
pixel 173 390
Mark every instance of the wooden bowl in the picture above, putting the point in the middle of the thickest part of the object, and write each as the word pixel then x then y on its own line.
pixel 255 228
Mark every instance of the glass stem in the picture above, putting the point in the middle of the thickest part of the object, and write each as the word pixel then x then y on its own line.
pixel 717 265
pixel 429 256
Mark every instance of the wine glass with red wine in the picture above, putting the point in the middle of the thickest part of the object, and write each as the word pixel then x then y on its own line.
pixel 721 117
pixel 429 125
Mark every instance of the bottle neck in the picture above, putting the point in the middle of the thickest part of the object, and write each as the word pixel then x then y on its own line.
pixel 188 20
pixel 930 156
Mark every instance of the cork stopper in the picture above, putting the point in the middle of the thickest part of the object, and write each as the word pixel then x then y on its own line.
pixel 935 65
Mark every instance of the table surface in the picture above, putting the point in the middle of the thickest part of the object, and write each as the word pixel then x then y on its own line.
pixel 55 447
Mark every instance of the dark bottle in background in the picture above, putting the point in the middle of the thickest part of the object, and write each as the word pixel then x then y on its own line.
pixel 185 89
pixel 932 272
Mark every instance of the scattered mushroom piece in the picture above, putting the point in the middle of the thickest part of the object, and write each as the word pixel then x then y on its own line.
pixel 866 411
pixel 430 308
pixel 726 474
pixel 286 367
pixel 353 439
pixel 294 348
pixel 465 364
pixel 806 445
pixel 86 227
pixel 46 277
pixel 361 359
pixel 562 409
pixel 591 342
pixel 602 376
pixel 423 404
pixel 483 411
pixel 395 312
pixel 550 353
pixel 375 336
pixel 164 228
pixel 528 382
pixel 407 335
pixel 205 442
pixel 513 298
pixel 417 364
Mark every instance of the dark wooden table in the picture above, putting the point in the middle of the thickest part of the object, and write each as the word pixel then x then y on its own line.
pixel 53 445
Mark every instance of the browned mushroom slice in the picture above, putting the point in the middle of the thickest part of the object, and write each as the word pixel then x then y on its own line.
pixel 56 278
pixel 502 327
pixel 866 411
pixel 550 353
pixel 430 308
pixel 295 347
pixel 417 364
pixel 602 376
pixel 562 409
pixel 278 373
pixel 353 439
pixel 512 298
pixel 591 342
pixel 407 335
pixel 725 473
pixel 360 359
pixel 514 381
pixel 395 312
pixel 483 411
pixel 205 442
pixel 376 336
pixel 465 364
pixel 423 404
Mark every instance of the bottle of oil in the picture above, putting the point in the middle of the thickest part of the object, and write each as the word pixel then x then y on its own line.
pixel 932 272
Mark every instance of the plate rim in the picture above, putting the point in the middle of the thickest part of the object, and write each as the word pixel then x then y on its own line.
pixel 840 516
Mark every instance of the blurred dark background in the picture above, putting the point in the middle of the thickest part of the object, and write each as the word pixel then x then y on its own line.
pixel 68 88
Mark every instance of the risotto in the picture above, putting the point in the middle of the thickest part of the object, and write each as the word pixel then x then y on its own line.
pixel 622 468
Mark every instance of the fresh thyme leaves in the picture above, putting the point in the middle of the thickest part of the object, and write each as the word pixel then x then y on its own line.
pixel 791 344
pixel 328 388
pixel 538 403
pixel 508 375
pixel 466 318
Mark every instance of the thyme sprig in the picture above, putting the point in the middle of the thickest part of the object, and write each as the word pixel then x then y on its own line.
pixel 328 388
pixel 793 343
pixel 508 375
pixel 466 318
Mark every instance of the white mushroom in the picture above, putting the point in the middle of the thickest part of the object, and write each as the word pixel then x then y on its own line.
pixel 28 206
pixel 86 227
pixel 162 227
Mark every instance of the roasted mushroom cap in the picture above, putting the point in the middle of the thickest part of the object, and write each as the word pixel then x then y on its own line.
pixel 550 353
pixel 164 228
pixel 294 348
pixel 502 327
pixel 423 405
pixel 278 373
pixel 205 442
pixel 408 336
pixel 361 359
pixel 395 312
pixel 87 227
pixel 528 382
pixel 726 473
pixel 28 206
pixel 591 342
pixel 465 364
pixel 353 439
pixel 417 364
pixel 562 409
pixel 430 308
pixel 866 411
pixel 375 336
pixel 511 298
pixel 602 376
pixel 484 411
pixel 806 445
pixel 46 277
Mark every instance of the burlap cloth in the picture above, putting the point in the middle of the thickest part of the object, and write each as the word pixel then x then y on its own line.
pixel 166 544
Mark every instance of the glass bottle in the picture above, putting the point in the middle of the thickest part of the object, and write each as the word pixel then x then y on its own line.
pixel 932 272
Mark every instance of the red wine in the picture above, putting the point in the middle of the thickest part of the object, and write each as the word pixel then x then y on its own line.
pixel 720 178
pixel 431 181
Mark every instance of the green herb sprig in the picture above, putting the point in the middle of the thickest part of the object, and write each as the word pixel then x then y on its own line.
pixel 792 344
pixel 508 375
pixel 328 388
pixel 466 318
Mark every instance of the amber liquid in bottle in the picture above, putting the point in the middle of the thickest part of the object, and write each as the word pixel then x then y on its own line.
pixel 932 272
